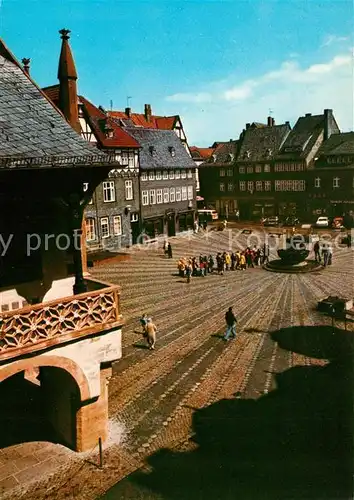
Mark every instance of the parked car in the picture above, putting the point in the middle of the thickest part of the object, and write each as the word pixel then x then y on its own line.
pixel 271 221
pixel 291 221
pixel 322 222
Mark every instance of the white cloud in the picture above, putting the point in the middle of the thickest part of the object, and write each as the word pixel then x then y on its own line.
pixel 332 39
pixel 221 110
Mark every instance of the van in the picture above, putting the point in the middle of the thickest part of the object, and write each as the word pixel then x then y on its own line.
pixel 208 215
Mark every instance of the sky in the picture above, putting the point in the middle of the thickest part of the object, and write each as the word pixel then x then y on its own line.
pixel 218 64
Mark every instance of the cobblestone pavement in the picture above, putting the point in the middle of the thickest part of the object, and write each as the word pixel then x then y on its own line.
pixel 188 408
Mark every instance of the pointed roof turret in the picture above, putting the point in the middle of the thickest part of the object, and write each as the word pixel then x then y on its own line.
pixel 66 68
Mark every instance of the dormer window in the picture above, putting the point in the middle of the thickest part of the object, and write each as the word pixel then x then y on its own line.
pixel 172 151
pixel 247 154
pixel 108 130
pixel 152 150
pixel 231 157
pixel 213 158
pixel 269 152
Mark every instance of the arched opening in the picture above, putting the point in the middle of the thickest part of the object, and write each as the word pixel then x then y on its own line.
pixel 39 404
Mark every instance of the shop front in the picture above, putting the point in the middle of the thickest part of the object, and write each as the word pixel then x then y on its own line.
pixel 153 226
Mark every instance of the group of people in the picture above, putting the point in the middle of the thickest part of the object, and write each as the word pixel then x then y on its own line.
pixel 226 261
pixel 323 253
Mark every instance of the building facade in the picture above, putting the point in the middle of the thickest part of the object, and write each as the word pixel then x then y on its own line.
pixel 167 182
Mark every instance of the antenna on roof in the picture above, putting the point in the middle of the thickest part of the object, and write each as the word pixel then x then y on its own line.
pixel 128 103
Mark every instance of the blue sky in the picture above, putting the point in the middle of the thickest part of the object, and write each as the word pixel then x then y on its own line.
pixel 219 64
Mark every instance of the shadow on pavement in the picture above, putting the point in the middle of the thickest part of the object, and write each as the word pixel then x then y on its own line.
pixel 292 443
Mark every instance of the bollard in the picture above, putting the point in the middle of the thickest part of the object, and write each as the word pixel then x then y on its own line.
pixel 100 450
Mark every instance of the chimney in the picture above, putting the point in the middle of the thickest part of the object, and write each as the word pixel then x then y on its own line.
pixel 328 117
pixel 273 122
pixel 270 121
pixel 147 112
pixel 67 76
pixel 128 112
pixel 248 126
pixel 308 114
pixel 287 123
pixel 26 65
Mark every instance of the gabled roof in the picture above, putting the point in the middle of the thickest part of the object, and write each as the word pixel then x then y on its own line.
pixel 161 149
pixel 201 153
pixel 337 144
pixel 30 126
pixel 139 120
pixel 262 144
pixel 98 120
pixel 304 135
pixel 223 155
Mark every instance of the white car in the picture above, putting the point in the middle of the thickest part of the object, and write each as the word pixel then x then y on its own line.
pixel 322 222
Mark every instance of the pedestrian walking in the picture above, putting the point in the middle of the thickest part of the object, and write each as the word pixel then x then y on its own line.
pixel 151 331
pixel 169 251
pixel 231 321
pixel 316 249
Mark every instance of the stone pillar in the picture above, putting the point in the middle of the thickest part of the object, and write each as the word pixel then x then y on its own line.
pixel 92 418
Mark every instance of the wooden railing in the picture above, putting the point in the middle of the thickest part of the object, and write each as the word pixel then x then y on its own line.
pixel 39 326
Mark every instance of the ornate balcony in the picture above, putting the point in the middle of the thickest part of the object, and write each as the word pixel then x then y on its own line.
pixel 44 325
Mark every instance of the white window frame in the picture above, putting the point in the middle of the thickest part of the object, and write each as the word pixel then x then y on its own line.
pixel 108 187
pixel 183 174
pixel 178 194
pixel 241 170
pixel 266 168
pixel 131 159
pixel 267 185
pixel 166 195
pixel 172 195
pixel 190 192
pixel 144 176
pixel 230 186
pixel 128 190
pixel 184 193
pixel 189 173
pixel 229 172
pixel 90 228
pixel 165 175
pixel 317 182
pixel 250 170
pixel 152 197
pixel 104 222
pixel 336 182
pixel 250 186
pixel 177 174
pixel 222 172
pixel 117 225
pixel 171 174
pixel 159 198
pixel 151 175
pixel 242 185
pixel 259 186
pixel 145 197
pixel 124 158
pixel 258 169
pixel 158 175
pixel 134 217
pixel 222 186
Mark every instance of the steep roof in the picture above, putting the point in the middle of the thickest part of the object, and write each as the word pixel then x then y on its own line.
pixel 338 144
pixel 30 126
pixel 223 155
pixel 156 149
pixel 201 153
pixel 304 135
pixel 99 120
pixel 262 144
pixel 139 120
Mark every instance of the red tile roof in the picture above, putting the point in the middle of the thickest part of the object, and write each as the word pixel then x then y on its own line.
pixel 204 153
pixel 139 119
pixel 53 93
pixel 98 120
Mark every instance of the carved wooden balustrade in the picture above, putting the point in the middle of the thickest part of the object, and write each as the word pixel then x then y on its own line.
pixel 39 326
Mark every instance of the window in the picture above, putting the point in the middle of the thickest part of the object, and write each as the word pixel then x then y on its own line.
pixel 152 150
pixel 222 172
pixel 166 195
pixel 317 182
pixel 259 186
pixel 124 158
pixel 131 160
pixel 336 182
pixel 177 174
pixel 152 197
pixel 172 151
pixel 184 193
pixel 189 173
pixel 117 225
pixel 266 167
pixel 165 175
pixel 230 186
pixel 85 186
pixel 171 174
pixel 151 175
pixel 222 186
pixel 242 185
pixel 250 186
pixel 158 175
pixel 134 217
pixel 172 195
pixel 250 170
pixel 258 169
pixel 229 172
pixel 178 194
pixel 144 176
pixel 90 229
pixel 183 174
pixel 145 197
pixel 104 227
pixel 290 185
pixel 190 192
pixel 267 185
pixel 128 190
pixel 108 191
pixel 159 196
pixel 241 170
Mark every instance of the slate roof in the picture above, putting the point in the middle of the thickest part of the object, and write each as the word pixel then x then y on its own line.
pixel 337 144
pixel 31 127
pixel 224 155
pixel 303 136
pixel 98 120
pixel 161 156
pixel 262 144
